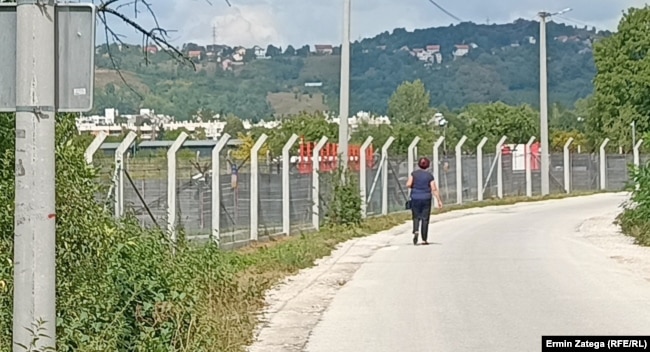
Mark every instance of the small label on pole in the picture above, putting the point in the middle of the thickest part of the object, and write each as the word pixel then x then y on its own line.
pixel 79 91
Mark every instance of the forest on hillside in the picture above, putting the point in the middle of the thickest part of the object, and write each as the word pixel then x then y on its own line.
pixel 501 65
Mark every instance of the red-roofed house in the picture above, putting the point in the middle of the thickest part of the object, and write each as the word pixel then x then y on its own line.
pixel 194 54
pixel 461 50
pixel 324 49
pixel 433 48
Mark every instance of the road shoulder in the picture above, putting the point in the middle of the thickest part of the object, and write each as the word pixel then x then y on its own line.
pixel 603 233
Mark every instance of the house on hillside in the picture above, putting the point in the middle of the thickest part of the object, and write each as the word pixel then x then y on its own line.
pixel 238 54
pixel 434 53
pixel 215 51
pixel 430 54
pixel 460 50
pixel 405 48
pixel 565 39
pixel 432 49
pixel 260 53
pixel 226 65
pixel 194 54
pixel 151 49
pixel 324 49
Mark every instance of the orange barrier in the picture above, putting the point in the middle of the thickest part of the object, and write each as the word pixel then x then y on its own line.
pixel 328 157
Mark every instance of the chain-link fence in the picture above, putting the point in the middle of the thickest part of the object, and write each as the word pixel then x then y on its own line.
pixel 146 186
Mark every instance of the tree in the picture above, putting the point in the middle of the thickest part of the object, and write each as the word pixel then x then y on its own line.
pixel 410 104
pixel 309 126
pixel 621 88
pixel 496 120
pixel 243 152
pixel 290 51
pixel 234 126
pixel 272 51
pixel 404 133
pixel 559 139
pixel 172 135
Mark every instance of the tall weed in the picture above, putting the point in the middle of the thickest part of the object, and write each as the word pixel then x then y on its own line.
pixel 635 218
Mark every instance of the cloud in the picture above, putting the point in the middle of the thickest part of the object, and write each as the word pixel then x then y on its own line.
pixel 247 26
pixel 298 22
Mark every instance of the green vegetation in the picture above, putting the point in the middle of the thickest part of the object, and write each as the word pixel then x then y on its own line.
pixel 620 99
pixel 503 66
pixel 119 287
pixel 635 218
pixel 621 88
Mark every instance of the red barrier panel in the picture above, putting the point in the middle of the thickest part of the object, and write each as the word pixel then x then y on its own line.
pixel 328 157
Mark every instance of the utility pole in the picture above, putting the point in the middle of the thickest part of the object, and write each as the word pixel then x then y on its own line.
pixel 51 52
pixel 344 96
pixel 543 101
pixel 35 231
pixel 214 37
pixel 633 125
pixel 543 104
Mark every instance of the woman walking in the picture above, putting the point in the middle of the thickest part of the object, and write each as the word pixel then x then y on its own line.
pixel 423 189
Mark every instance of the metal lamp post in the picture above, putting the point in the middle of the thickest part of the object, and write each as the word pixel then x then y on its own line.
pixel 344 95
pixel 543 96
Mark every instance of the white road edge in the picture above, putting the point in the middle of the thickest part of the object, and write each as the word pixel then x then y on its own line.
pixel 295 306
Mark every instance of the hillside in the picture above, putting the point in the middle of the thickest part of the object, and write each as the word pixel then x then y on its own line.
pixel 462 64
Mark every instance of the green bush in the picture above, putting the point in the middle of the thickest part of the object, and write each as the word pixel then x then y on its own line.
pixel 635 218
pixel 343 203
pixel 118 286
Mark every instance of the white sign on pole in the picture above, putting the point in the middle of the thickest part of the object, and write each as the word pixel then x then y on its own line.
pixel 75 36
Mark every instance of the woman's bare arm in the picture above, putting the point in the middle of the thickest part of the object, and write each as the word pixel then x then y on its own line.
pixel 409 182
pixel 434 191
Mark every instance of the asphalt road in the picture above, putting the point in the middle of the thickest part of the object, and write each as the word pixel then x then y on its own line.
pixel 493 281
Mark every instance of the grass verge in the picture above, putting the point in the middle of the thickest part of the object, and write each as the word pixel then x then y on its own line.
pixel 273 261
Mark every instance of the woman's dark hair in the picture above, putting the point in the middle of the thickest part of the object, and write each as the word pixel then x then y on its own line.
pixel 424 163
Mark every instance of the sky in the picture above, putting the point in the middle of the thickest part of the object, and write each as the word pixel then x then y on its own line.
pixel 299 22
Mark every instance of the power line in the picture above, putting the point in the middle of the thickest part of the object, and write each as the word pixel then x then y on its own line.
pixel 579 23
pixel 445 11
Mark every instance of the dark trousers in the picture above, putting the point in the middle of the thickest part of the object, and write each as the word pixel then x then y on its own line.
pixel 421 211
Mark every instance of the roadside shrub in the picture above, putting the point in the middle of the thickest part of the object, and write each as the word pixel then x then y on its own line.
pixel 118 286
pixel 635 218
pixel 343 203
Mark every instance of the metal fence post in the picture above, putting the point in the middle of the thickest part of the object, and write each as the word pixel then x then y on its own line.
pixel 459 169
pixel 603 165
pixel 412 154
pixel 315 180
pixel 500 166
pixel 94 146
pixel 255 190
pixel 635 151
pixel 637 161
pixel 171 185
pixel 384 175
pixel 363 176
pixel 216 187
pixel 436 164
pixel 567 165
pixel 479 168
pixel 529 171
pixel 118 178
pixel 286 184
